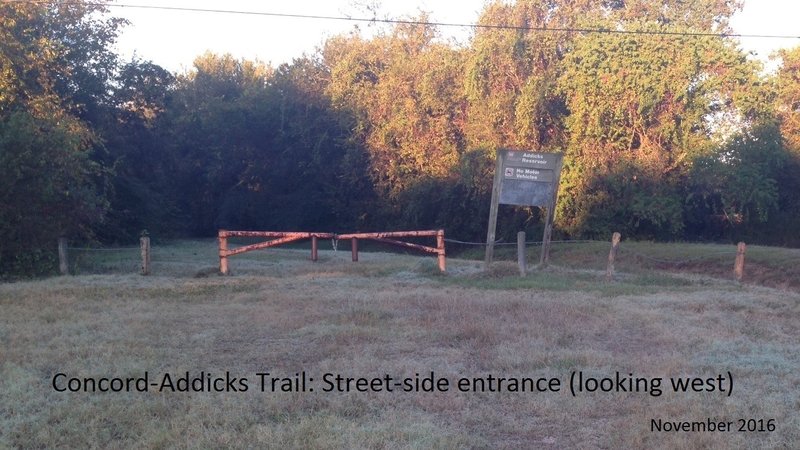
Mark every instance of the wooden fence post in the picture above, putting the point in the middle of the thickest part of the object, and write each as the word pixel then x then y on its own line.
pixel 738 266
pixel 354 248
pixel 612 254
pixel 314 249
pixel 521 259
pixel 223 250
pixel 63 261
pixel 144 244
pixel 440 247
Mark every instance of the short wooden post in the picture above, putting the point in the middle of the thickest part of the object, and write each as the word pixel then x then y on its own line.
pixel 612 254
pixel 144 244
pixel 314 249
pixel 63 264
pixel 521 259
pixel 441 252
pixel 544 259
pixel 738 266
pixel 354 248
pixel 223 253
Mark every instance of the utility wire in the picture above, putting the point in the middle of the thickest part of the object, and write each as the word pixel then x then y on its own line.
pixel 414 22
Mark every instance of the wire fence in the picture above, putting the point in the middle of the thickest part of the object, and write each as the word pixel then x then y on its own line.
pixel 89 260
pixel 675 262
pixel 166 259
pixel 501 243
pixel 507 251
pixel 191 257
pixel 764 265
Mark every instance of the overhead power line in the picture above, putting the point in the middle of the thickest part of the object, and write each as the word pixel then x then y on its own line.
pixel 415 22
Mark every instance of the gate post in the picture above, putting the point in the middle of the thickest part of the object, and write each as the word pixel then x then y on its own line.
pixel 441 252
pixel 223 252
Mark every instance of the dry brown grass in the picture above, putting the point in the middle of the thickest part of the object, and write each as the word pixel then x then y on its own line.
pixel 390 314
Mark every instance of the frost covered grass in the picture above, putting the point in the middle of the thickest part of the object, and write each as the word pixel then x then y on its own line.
pixel 390 314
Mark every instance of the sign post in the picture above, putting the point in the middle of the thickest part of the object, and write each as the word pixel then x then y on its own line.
pixel 490 233
pixel 525 179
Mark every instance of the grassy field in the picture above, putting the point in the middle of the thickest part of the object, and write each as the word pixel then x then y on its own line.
pixel 661 320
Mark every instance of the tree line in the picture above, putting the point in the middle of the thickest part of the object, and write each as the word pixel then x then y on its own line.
pixel 669 131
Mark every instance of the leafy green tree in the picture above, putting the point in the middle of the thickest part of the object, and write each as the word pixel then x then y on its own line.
pixel 787 110
pixel 136 147
pixel 641 109
pixel 55 61
pixel 256 148
pixel 211 133
pixel 57 52
pixel 405 91
pixel 788 99
pixel 511 75
pixel 309 173
pixel 708 15
pixel 735 191
pixel 48 188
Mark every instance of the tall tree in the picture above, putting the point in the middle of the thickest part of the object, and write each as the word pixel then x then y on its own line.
pixel 54 56
pixel 642 107
pixel 214 132
pixel 60 52
pixel 787 108
pixel 142 197
pixel 788 99
pixel 404 89
pixel 256 148
pixel 512 71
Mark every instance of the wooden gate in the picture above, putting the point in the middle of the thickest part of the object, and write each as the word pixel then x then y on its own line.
pixel 390 237
pixel 281 237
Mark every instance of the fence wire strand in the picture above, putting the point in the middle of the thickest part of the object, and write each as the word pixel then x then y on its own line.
pixel 455 241
pixel 93 249
pixel 623 250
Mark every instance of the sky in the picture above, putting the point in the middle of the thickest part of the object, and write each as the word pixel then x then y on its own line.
pixel 173 39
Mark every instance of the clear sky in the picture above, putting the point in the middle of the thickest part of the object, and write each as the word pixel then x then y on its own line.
pixel 172 39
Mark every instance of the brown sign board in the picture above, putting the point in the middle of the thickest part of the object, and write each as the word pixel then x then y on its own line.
pixel 521 173
pixel 528 178
pixel 531 160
